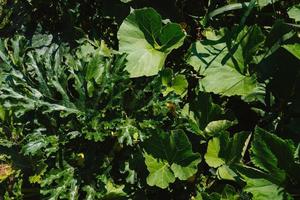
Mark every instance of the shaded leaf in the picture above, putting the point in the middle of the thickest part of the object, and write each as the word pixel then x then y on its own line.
pixel 170 157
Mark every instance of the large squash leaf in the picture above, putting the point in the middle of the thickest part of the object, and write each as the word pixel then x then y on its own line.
pixel 276 163
pixel 147 42
pixel 273 154
pixel 229 82
pixel 225 62
pixel 170 156
pixel 261 185
pixel 223 152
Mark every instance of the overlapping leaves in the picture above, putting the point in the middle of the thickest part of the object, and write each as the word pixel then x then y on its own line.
pixel 76 126
pixel 224 62
pixel 170 156
pixel 147 41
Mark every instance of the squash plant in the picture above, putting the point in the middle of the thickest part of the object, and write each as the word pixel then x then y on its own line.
pixel 156 109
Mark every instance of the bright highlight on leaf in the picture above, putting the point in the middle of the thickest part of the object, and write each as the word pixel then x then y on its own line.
pixel 147 41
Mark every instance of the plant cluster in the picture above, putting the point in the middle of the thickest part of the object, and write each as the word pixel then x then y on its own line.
pixel 109 99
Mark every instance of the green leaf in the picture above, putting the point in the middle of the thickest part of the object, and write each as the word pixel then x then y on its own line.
pixel 38 143
pixel 91 193
pixel 160 172
pixel 263 3
pixel 293 49
pixel 221 49
pixel 262 189
pixel 272 154
pixel 40 40
pixel 294 12
pixel 169 156
pixel 223 152
pixel 224 62
pixel 95 68
pixel 218 126
pixel 127 133
pixel 113 191
pixel 60 184
pixel 180 85
pixel 2 113
pixel 147 42
pixel 212 154
pixel 261 185
pixel 227 81
pixel 229 193
pixel 200 112
pixel 209 52
pixel 177 83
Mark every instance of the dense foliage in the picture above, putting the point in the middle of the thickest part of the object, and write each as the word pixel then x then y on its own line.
pixel 140 99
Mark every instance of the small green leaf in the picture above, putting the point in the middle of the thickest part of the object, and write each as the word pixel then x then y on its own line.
pixel 293 49
pixel 212 154
pixel 218 126
pixel 40 40
pixel 95 68
pixel 160 172
pixel 294 12
pixel 177 84
pixel 38 143
pixel 2 113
